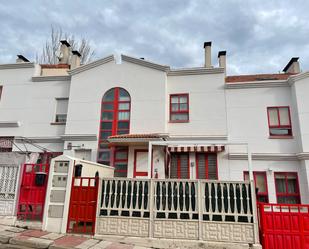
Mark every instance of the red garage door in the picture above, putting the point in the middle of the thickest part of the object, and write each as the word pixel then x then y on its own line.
pixel 83 205
pixel 284 226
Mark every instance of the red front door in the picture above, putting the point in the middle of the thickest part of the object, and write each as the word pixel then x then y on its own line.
pixel 83 205
pixel 32 191
pixel 140 163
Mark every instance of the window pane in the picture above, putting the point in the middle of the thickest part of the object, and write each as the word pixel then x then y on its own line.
pixel 184 166
pixel 105 134
pixel 121 132
pixel 174 99
pixel 212 166
pixel 260 183
pixel 123 125
pixel 262 198
pixel 121 155
pixel 288 199
pixel 103 146
pixel 104 156
pixel 123 116
pixel 62 106
pixel 284 116
pixel 183 116
pixel 201 166
pixel 106 125
pixel 109 96
pixel 292 184
pixel 108 106
pixel 174 107
pixel 107 116
pixel 280 131
pixel 183 107
pixel 123 95
pixel 174 166
pixel 124 106
pixel 61 118
pixel 183 99
pixel 273 116
pixel 280 184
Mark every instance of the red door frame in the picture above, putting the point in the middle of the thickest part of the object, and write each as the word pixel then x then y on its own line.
pixel 31 196
pixel 77 201
pixel 141 173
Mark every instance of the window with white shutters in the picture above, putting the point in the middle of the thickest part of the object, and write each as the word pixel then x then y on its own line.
pixel 206 166
pixel 180 166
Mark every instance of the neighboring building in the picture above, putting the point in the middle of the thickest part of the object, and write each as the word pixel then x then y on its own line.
pixel 197 121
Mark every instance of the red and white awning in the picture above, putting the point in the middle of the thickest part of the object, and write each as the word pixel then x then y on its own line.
pixel 196 148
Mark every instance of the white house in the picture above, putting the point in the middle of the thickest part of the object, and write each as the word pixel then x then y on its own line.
pixel 150 120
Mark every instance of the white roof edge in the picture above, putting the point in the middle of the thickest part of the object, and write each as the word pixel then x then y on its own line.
pixel 92 65
pixel 195 71
pixel 145 63
pixel 293 78
pixel 17 65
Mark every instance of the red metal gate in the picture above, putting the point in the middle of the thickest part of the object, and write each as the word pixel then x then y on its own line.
pixel 284 226
pixel 32 191
pixel 83 205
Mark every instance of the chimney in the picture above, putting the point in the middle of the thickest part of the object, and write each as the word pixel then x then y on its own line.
pixel 75 59
pixel 21 59
pixel 292 66
pixel 64 52
pixel 207 47
pixel 222 59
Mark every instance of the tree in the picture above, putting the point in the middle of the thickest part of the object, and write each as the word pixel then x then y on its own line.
pixel 52 46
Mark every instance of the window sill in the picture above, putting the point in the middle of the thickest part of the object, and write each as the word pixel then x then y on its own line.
pixel 58 123
pixel 280 137
pixel 179 121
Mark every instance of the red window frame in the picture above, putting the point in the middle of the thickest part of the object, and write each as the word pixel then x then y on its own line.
pixel 259 194
pixel 206 165
pixel 124 161
pixel 177 154
pixel 287 194
pixel 279 126
pixel 114 122
pixel 179 95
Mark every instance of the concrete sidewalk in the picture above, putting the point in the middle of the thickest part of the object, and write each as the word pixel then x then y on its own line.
pixel 13 238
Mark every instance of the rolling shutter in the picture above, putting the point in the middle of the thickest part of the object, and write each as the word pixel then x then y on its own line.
pixel 180 166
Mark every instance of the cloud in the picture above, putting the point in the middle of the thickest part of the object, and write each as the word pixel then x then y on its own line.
pixel 259 36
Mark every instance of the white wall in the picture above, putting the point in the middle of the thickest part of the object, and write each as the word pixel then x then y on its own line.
pixel 31 103
pixel 207 111
pixel 247 118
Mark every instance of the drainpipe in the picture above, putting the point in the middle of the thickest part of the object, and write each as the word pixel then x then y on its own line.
pixel 253 197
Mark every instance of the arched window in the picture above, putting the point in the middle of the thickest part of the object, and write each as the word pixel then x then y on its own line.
pixel 115 120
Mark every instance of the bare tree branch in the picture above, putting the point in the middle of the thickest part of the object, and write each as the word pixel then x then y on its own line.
pixel 49 51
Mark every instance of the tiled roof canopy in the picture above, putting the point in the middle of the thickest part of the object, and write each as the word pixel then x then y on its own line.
pixel 256 77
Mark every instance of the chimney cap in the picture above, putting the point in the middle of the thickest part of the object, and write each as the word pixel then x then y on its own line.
pixel 20 56
pixel 65 42
pixel 207 44
pixel 75 52
pixel 221 53
pixel 294 59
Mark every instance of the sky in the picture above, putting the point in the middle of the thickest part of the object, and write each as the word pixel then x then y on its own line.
pixel 259 36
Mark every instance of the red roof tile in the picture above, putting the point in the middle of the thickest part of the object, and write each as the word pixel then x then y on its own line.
pixel 151 135
pixel 256 77
pixel 58 66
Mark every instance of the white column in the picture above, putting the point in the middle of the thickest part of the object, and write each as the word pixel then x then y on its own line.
pixel 149 159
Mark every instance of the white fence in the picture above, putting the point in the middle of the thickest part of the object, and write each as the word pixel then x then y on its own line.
pixel 8 183
pixel 178 209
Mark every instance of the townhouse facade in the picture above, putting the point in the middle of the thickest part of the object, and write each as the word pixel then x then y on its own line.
pixel 148 120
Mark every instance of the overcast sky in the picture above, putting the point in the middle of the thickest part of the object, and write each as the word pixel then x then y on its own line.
pixel 259 36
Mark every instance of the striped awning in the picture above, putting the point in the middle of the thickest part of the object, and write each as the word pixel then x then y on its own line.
pixel 196 148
